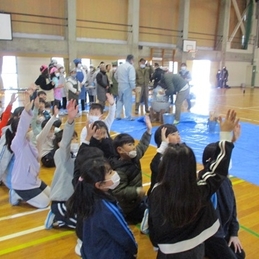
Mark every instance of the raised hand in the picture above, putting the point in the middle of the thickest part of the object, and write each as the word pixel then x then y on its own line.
pixel 72 110
pixel 230 122
pixel 27 102
pixel 56 111
pixel 90 131
pixel 163 137
pixel 37 102
pixel 148 124
pixel 13 98
pixel 236 133
pixel 110 98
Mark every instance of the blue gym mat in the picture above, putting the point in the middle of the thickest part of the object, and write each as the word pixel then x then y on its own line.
pixel 194 132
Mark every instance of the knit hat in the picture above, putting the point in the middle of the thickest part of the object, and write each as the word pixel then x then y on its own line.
pixel 77 60
pixel 43 68
pixel 53 70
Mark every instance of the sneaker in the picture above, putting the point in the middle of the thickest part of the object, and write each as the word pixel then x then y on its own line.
pixel 176 122
pixel 118 119
pixel 78 247
pixel 14 198
pixel 144 228
pixel 49 220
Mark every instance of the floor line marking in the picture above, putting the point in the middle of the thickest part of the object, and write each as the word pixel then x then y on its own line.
pixel 237 182
pixel 21 233
pixel 146 184
pixel 35 242
pixel 23 214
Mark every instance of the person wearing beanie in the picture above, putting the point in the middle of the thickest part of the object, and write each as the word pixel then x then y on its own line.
pixel 82 78
pixel 45 84
pixel 54 76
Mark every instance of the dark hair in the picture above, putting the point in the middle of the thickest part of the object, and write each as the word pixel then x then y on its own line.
pixel 58 138
pixel 178 196
pixel 96 106
pixel 18 111
pixel 82 202
pixel 47 105
pixel 10 133
pixel 41 100
pixel 184 64
pixel 156 65
pixel 170 128
pixel 129 57
pixel 56 123
pixel 121 140
pixel 41 92
pixel 209 153
pixel 101 124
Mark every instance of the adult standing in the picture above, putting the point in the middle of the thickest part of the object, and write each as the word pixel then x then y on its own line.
pixel 103 85
pixel 125 76
pixel 224 78
pixel 92 84
pixel 81 77
pixel 186 75
pixel 175 84
pixel 218 77
pixel 114 85
pixel 157 75
pixel 143 76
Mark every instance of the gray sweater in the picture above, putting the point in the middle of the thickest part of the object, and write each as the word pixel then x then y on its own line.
pixel 61 186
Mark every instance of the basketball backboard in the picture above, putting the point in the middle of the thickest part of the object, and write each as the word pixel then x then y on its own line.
pixel 189 45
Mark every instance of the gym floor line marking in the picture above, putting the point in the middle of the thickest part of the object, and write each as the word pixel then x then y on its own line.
pixel 23 214
pixel 237 182
pixel 146 184
pixel 21 233
pixel 35 242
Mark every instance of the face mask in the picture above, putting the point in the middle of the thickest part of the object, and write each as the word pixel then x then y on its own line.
pixel 183 68
pixel 142 65
pixel 132 153
pixel 116 181
pixel 74 147
pixel 93 118
pixel 57 74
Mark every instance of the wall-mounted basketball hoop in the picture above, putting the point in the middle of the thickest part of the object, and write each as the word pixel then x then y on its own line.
pixel 189 46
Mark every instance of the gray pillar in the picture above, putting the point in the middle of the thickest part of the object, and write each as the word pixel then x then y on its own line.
pixel 224 19
pixel 183 26
pixel 133 19
pixel 71 33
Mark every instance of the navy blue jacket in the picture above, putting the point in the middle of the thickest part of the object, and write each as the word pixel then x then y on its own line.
pixel 106 234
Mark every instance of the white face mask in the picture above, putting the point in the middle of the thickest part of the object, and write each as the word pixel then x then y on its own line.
pixel 142 65
pixel 132 153
pixel 74 147
pixel 92 118
pixel 183 68
pixel 57 74
pixel 115 179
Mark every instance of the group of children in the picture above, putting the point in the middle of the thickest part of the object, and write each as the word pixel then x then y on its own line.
pixel 99 183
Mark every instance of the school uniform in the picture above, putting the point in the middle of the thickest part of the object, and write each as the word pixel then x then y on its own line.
pixel 106 233
pixel 61 187
pixel 173 242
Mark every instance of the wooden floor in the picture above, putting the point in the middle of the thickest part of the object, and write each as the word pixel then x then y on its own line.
pixel 22 231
